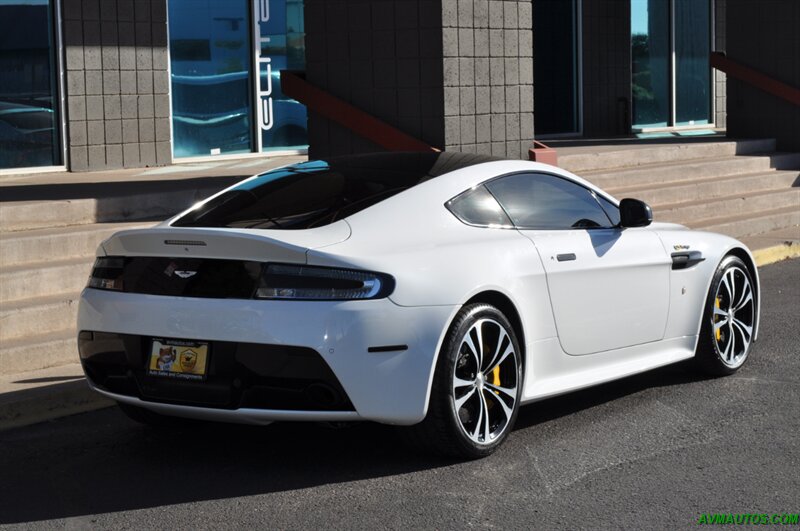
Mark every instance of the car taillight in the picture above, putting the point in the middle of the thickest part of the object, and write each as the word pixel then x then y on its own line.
pixel 295 282
pixel 107 273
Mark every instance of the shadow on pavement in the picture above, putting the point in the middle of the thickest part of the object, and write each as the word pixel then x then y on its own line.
pixel 561 406
pixel 101 462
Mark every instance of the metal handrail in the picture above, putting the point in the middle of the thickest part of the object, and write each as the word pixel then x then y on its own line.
pixel 294 85
pixel 755 78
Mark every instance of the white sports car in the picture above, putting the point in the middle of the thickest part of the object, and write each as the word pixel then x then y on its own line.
pixel 434 291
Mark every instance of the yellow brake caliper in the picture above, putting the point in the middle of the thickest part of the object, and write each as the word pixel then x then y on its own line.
pixel 496 378
pixel 716 317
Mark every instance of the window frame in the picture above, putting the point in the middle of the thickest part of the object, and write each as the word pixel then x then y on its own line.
pixel 614 204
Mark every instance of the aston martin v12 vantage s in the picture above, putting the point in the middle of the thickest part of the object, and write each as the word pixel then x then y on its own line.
pixel 434 291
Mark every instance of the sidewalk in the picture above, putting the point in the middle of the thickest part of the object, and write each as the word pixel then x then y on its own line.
pixel 189 170
pixel 31 397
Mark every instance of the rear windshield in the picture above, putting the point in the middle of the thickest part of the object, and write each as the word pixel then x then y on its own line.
pixel 317 193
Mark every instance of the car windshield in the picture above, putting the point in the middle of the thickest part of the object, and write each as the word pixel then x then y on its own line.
pixel 317 193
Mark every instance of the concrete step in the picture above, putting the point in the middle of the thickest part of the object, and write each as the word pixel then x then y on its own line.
pixel 577 161
pixel 709 187
pixel 741 226
pixel 39 352
pixel 44 279
pixel 742 204
pixel 786 236
pixel 41 245
pixel 682 172
pixel 38 201
pixel 36 396
pixel 27 317
pixel 24 215
pixel 154 205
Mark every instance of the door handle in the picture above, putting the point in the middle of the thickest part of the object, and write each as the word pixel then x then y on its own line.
pixel 565 257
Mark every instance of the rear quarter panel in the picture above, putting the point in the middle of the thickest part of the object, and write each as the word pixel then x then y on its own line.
pixel 438 260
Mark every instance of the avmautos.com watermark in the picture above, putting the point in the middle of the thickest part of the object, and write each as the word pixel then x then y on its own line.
pixel 749 519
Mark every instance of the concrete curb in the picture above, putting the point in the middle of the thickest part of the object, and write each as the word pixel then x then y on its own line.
pixel 776 253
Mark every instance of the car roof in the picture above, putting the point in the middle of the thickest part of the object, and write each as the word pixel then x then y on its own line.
pixel 464 170
pixel 425 164
pixel 412 181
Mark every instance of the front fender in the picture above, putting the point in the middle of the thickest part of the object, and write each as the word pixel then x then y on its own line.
pixel 689 287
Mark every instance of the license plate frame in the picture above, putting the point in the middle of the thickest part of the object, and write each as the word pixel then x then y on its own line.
pixel 180 359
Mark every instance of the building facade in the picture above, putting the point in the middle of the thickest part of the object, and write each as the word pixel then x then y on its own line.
pixel 99 84
pixel 103 84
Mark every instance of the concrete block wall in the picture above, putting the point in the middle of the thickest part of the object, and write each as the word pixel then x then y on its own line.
pixel 117 83
pixel 606 68
pixel 385 58
pixel 488 76
pixel 765 38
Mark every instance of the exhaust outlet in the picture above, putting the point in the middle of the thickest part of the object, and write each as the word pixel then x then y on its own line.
pixel 323 395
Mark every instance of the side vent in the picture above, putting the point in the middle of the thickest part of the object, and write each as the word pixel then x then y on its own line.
pixel 687 259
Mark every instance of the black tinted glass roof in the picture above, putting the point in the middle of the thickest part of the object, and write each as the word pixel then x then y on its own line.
pixel 320 192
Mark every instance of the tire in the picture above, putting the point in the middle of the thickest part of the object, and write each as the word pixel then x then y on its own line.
pixel 471 411
pixel 729 319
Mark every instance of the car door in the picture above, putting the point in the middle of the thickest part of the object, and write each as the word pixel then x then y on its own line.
pixel 609 286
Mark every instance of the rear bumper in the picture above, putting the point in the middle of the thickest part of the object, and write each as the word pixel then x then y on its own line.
pixel 389 386
pixel 238 416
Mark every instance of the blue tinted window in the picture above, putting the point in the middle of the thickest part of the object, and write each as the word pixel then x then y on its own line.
pixel 211 62
pixel 650 62
pixel 692 74
pixel 28 104
pixel 541 201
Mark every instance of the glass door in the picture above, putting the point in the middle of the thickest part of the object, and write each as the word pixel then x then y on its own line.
pixel 650 63
pixel 211 58
pixel 671 77
pixel 29 103
pixel 692 72
pixel 556 65
pixel 226 57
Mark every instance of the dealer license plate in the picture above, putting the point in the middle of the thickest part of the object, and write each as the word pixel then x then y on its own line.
pixel 177 358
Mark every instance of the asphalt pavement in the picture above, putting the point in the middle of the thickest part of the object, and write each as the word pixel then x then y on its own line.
pixel 654 451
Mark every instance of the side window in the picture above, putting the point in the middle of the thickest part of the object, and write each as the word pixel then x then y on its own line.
pixel 542 201
pixel 478 207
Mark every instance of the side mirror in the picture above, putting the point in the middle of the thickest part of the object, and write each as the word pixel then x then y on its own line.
pixel 634 213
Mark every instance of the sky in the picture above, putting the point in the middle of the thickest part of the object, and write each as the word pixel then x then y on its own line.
pixel 639 16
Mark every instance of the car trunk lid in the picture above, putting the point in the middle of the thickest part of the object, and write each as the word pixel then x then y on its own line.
pixel 204 263
pixel 223 243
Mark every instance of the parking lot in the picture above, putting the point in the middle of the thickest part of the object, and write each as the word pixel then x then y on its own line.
pixel 654 451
